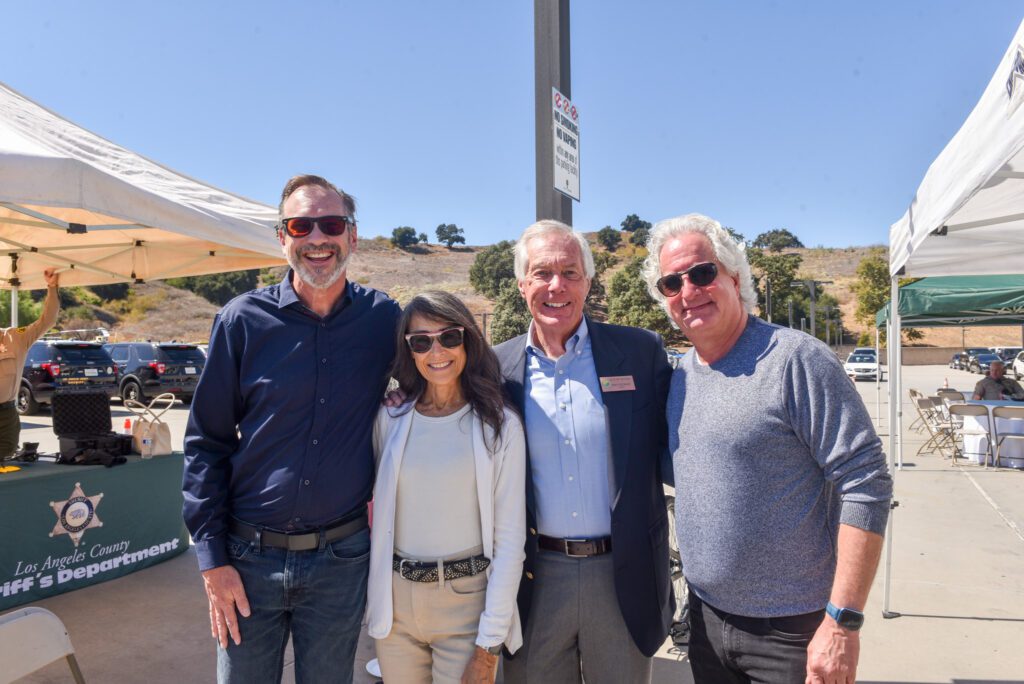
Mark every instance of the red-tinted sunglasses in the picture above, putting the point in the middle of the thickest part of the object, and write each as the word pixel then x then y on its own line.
pixel 301 226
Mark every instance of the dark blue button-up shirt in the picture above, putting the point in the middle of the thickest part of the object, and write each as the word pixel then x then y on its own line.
pixel 280 429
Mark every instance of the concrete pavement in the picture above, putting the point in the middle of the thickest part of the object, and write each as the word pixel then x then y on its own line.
pixel 957 583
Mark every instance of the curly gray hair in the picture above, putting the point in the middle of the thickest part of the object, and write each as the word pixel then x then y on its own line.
pixel 730 253
pixel 548 227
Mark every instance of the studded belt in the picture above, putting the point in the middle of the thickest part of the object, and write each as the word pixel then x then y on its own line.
pixel 420 571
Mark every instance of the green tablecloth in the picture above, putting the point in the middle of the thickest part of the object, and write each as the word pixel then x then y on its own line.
pixel 66 527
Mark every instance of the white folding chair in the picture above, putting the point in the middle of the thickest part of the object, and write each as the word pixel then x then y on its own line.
pixel 957 412
pixel 31 638
pixel 1011 413
pixel 918 424
pixel 951 394
pixel 940 432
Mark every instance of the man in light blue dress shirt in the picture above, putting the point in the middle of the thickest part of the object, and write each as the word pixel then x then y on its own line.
pixel 596 576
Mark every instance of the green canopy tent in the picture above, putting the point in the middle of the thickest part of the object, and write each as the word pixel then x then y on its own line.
pixel 954 301
pixel 958 301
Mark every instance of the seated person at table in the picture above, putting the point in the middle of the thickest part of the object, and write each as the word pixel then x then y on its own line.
pixel 995 386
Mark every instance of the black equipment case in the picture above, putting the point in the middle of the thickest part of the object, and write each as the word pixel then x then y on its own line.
pixel 82 421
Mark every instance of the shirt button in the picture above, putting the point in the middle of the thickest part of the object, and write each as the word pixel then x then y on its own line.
pixel 570 479
pixel 323 360
pixel 315 442
pixel 298 519
pixel 561 406
pixel 561 372
pixel 307 482
pixel 574 514
pixel 321 401
pixel 568 441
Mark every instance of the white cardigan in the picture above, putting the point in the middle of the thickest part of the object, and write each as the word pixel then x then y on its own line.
pixel 501 494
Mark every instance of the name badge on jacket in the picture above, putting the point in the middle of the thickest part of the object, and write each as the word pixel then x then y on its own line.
pixel 617 383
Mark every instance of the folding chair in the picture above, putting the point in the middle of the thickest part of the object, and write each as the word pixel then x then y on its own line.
pixel 1011 413
pixel 918 424
pixel 940 432
pixel 31 638
pixel 961 429
pixel 951 395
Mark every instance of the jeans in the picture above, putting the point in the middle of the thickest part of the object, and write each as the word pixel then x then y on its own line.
pixel 727 648
pixel 317 596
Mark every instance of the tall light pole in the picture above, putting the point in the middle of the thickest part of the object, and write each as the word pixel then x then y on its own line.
pixel 550 70
pixel 812 289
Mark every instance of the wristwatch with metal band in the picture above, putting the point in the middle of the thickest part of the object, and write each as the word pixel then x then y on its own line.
pixel 494 650
pixel 847 618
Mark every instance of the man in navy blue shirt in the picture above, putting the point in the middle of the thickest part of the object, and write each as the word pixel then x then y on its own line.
pixel 278 452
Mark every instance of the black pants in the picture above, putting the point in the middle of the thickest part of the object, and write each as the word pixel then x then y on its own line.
pixel 10 431
pixel 727 648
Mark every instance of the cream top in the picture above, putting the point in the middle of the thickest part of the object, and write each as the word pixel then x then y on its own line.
pixel 437 513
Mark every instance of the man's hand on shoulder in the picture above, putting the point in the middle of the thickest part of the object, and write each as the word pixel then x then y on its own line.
pixel 225 593
pixel 832 655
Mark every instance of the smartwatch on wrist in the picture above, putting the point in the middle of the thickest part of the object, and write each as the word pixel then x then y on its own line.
pixel 847 618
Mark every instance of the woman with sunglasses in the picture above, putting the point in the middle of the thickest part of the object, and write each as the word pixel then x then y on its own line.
pixel 448 534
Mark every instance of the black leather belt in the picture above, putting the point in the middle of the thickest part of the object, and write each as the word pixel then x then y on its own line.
pixel 299 541
pixel 577 548
pixel 7 404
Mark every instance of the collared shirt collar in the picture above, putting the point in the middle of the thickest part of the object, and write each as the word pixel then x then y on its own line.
pixel 576 341
pixel 289 296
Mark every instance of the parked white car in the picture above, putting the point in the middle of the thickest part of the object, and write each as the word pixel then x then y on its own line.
pixel 863 367
pixel 1018 366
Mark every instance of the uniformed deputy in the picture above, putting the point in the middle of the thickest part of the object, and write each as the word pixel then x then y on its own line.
pixel 14 344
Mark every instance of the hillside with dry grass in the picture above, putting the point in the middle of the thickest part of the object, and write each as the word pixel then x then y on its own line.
pixel 160 312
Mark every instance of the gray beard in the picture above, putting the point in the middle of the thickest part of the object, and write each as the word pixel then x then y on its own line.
pixel 318 279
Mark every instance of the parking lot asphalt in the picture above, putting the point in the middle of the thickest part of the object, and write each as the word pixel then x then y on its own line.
pixel 957 569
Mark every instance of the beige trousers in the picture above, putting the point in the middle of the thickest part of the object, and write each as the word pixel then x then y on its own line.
pixel 434 629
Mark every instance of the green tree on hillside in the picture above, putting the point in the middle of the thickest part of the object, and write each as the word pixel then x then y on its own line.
pixel 630 304
pixel 602 262
pixel 632 222
pixel 639 237
pixel 448 234
pixel 777 240
pixel 511 315
pixel 734 234
pixel 609 238
pixel 404 237
pixel 491 268
pixel 28 310
pixel 873 291
pixel 780 270
pixel 218 288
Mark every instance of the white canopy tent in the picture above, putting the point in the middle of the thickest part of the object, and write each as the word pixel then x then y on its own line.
pixel 102 214
pixel 966 218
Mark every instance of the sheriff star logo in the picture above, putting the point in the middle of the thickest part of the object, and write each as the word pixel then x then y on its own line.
pixel 76 514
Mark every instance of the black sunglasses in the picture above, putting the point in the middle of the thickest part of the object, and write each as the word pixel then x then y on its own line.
pixel 301 226
pixel 700 275
pixel 420 343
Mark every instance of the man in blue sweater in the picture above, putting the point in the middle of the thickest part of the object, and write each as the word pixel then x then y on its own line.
pixel 782 491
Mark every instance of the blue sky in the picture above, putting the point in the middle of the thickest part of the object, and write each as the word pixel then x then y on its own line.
pixel 819 117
